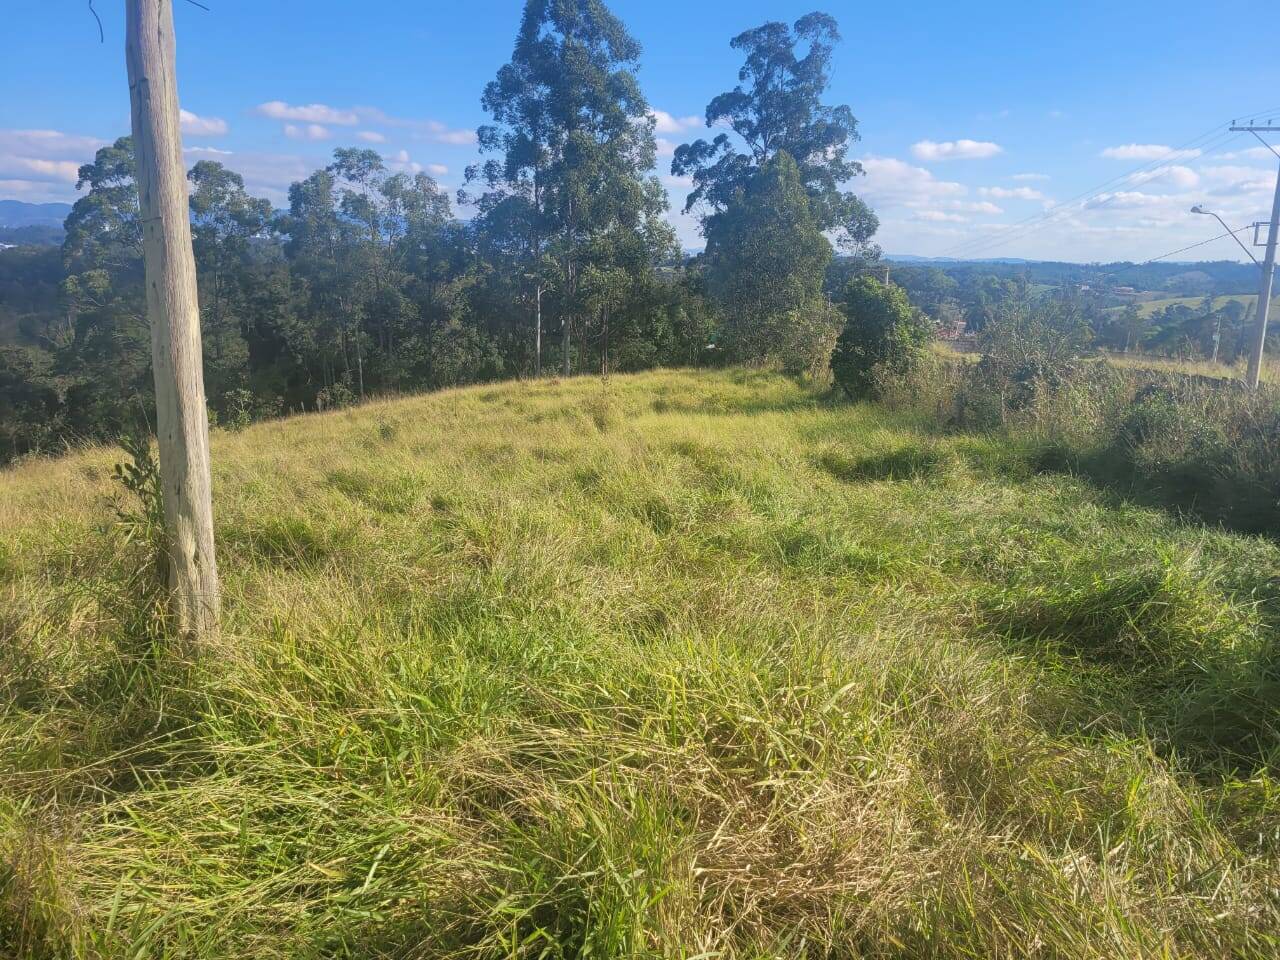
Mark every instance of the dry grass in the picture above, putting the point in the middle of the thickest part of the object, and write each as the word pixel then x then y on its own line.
pixel 684 665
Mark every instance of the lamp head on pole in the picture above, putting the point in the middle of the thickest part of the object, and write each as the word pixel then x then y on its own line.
pixel 1199 208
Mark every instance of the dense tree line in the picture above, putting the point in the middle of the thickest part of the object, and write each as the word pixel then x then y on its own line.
pixel 370 282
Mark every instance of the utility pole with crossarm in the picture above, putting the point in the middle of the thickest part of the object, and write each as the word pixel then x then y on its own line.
pixel 1268 265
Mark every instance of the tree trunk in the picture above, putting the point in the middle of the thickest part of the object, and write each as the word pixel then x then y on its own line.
pixel 564 344
pixel 182 420
pixel 537 336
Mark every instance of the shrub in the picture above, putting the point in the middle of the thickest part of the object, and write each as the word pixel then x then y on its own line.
pixel 1028 348
pixel 884 337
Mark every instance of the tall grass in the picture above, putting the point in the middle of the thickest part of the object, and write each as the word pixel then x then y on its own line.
pixel 680 665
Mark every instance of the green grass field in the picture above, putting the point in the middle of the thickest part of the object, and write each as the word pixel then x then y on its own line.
pixel 1147 308
pixel 682 665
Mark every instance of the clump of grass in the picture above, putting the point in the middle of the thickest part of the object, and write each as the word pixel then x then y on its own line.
pixel 502 686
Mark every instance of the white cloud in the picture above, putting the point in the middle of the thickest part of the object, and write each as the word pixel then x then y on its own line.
pixel 974 206
pixel 1011 193
pixel 316 113
pixel 322 114
pixel 665 147
pixel 1236 180
pixel 36 168
pixel 209 151
pixel 1031 176
pixel 1252 153
pixel 43 165
pixel 401 162
pixel 50 144
pixel 1127 200
pixel 666 123
pixel 439 133
pixel 270 174
pixel 194 125
pixel 1146 151
pixel 937 216
pixel 928 150
pixel 311 131
pixel 1180 177
pixel 891 182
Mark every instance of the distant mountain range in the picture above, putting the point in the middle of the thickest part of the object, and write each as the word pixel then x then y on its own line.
pixel 17 213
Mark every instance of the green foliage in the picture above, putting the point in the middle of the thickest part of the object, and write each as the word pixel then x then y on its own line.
pixel 1029 348
pixel 139 514
pixel 884 336
pixel 570 202
pixel 781 111
pixel 765 263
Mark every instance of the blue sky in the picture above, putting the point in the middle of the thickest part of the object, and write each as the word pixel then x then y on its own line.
pixel 974 117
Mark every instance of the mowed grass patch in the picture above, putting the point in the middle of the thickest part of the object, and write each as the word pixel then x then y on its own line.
pixel 674 665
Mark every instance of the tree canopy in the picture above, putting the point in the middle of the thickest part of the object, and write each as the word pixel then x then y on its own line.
pixel 777 107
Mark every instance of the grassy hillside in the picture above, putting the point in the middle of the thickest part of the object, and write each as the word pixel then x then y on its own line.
pixel 1147 308
pixel 684 665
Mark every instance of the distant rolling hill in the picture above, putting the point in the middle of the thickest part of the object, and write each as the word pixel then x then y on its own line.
pixel 18 213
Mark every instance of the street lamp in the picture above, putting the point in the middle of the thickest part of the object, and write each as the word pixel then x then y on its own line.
pixel 1199 208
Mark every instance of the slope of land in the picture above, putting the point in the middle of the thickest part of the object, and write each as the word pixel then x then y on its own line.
pixel 1149 308
pixel 684 664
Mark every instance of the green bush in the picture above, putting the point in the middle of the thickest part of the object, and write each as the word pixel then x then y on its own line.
pixel 884 336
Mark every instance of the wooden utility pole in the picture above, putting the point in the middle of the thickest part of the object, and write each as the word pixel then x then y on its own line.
pixel 182 421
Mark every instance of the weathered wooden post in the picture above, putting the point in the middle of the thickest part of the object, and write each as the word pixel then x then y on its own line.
pixel 182 422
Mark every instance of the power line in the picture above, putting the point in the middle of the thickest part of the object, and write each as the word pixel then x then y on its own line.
pixel 1192 246
pixel 1193 144
pixel 1195 149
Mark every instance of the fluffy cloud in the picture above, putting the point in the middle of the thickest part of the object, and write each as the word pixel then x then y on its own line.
pixel 401 162
pixel 316 113
pixel 938 216
pixel 1252 153
pixel 928 150
pixel 315 116
pixel 666 123
pixel 1175 175
pixel 1146 151
pixel 35 168
pixel 974 206
pixel 1127 200
pixel 52 144
pixel 1031 176
pixel 1234 180
pixel 194 125
pixel 310 131
pixel 1011 193
pixel 891 182
pixel 41 165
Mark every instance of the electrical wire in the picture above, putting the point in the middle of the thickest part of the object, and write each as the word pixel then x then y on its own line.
pixel 1195 143
pixel 1192 246
pixel 1196 149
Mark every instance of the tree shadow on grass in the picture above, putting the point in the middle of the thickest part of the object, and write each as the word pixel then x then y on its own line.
pixel 1194 492
pixel 1157 653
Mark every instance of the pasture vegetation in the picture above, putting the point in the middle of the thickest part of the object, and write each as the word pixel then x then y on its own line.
pixel 677 664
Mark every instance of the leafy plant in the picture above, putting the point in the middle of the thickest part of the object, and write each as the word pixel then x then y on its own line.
pixel 140 514
pixel 883 336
